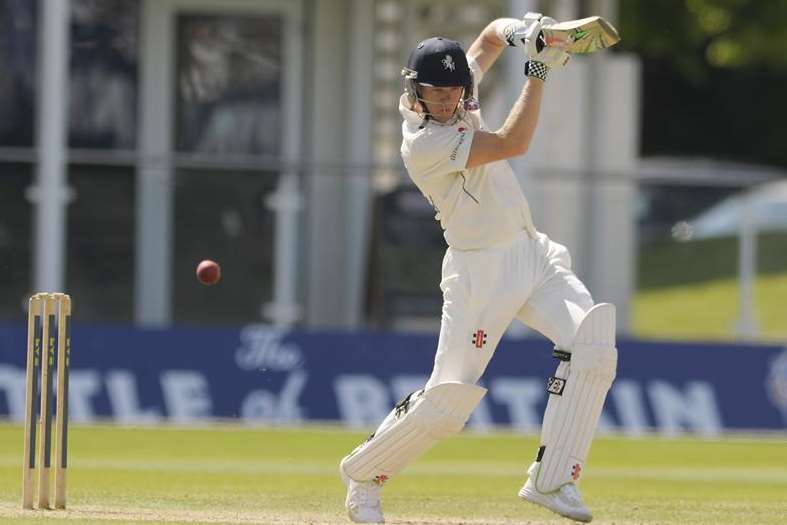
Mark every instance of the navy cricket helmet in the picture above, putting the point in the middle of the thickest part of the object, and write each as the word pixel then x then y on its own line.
pixel 437 62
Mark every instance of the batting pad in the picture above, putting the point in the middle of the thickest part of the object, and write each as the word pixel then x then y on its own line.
pixel 419 422
pixel 576 396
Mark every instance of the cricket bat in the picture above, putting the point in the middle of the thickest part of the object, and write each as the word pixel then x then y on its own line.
pixel 584 35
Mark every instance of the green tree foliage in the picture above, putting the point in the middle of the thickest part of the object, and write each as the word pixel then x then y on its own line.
pixel 714 76
pixel 696 35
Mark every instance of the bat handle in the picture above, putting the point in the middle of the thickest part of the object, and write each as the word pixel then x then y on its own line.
pixel 540 42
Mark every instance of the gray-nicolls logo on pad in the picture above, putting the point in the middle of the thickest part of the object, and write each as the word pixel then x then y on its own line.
pixel 555 385
pixel 448 63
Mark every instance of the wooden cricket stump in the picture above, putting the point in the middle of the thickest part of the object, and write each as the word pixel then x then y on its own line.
pixel 48 352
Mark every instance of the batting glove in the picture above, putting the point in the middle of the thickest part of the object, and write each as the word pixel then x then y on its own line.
pixel 526 33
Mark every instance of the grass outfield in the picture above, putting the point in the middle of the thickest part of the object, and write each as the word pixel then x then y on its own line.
pixel 709 310
pixel 689 290
pixel 241 475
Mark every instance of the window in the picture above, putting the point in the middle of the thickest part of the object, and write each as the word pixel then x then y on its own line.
pixel 222 215
pixel 17 72
pixel 229 84
pixel 103 91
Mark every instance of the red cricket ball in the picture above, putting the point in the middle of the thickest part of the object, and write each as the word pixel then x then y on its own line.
pixel 208 272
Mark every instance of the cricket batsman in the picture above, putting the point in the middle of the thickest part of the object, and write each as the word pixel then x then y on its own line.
pixel 498 267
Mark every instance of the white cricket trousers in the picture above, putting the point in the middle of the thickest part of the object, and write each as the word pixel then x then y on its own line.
pixel 528 279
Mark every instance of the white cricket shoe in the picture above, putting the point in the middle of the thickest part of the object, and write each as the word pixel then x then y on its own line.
pixel 566 501
pixel 363 500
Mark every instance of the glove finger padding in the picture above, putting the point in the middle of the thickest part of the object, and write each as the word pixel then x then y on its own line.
pixel 528 33
pixel 534 40
pixel 517 33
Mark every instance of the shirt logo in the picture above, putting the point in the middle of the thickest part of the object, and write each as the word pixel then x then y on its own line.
pixel 455 151
pixel 380 480
pixel 448 63
pixel 479 339
pixel 576 471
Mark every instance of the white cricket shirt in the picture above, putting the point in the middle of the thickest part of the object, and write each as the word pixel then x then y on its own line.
pixel 477 208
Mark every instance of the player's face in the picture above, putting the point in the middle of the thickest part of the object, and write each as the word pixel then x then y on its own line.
pixel 441 102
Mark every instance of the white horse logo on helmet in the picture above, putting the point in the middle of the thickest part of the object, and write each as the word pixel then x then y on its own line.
pixel 448 62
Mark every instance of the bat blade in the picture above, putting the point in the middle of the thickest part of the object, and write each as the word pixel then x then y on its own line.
pixel 585 35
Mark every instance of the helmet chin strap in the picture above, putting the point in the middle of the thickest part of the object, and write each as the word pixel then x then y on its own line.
pixel 428 115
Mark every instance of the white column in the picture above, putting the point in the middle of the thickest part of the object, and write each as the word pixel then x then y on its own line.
pixel 556 155
pixel 51 192
pixel 580 166
pixel 154 207
pixel 358 218
pixel 330 106
pixel 287 203
pixel 747 272
pixel 283 311
pixel 612 135
pixel 529 169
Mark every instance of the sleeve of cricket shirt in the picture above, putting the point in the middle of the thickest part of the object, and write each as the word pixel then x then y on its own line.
pixel 438 150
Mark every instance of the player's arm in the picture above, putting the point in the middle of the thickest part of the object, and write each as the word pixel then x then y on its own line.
pixel 514 136
pixel 502 33
pixel 491 42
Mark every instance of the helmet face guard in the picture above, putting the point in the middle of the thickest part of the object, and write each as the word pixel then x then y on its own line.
pixel 438 62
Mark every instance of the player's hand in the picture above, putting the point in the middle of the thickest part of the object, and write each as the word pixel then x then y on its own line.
pixel 522 32
pixel 517 33
pixel 527 33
